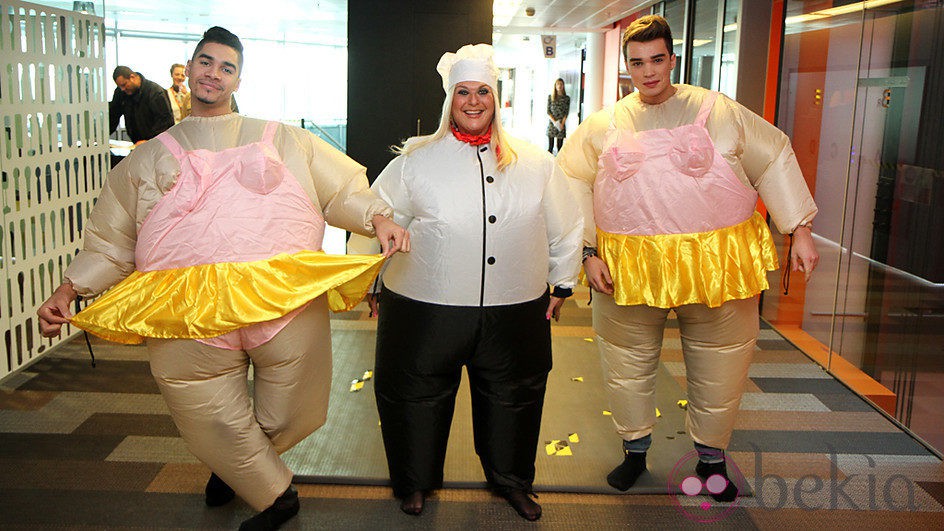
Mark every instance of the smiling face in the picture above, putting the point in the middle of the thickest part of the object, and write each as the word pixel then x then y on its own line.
pixel 178 76
pixel 650 65
pixel 214 76
pixel 473 107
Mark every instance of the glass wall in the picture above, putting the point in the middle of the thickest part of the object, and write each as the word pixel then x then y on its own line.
pixel 674 13
pixel 860 97
pixel 295 65
pixel 713 42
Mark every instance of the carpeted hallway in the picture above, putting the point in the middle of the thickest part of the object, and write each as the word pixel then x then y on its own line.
pixel 84 448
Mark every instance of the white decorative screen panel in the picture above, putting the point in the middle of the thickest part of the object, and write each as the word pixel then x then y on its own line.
pixel 53 156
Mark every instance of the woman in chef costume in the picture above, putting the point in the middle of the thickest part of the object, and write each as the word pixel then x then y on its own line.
pixel 492 226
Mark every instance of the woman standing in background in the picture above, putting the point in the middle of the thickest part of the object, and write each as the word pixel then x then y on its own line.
pixel 558 107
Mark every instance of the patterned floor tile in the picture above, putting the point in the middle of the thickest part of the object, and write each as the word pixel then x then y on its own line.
pixel 57 417
pixel 25 400
pixel 55 446
pixel 800 384
pixel 774 344
pixel 844 402
pixel 786 465
pixel 103 350
pixel 814 421
pixel 180 478
pixel 788 370
pixel 790 355
pixel 916 467
pixel 782 402
pixel 113 376
pixel 129 424
pixel 935 489
pixel 778 520
pixel 71 474
pixel 68 410
pixel 840 442
pixel 152 450
pixel 769 333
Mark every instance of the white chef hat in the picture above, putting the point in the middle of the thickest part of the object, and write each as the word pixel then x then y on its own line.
pixel 472 62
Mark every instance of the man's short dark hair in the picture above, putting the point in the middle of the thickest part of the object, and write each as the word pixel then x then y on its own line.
pixel 222 36
pixel 121 71
pixel 648 28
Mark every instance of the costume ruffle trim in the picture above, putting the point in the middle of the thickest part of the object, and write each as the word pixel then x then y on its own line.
pixel 209 300
pixel 708 268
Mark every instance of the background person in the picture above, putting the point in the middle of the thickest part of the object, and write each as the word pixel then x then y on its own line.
pixel 558 107
pixel 492 224
pixel 143 103
pixel 668 181
pixel 210 237
pixel 178 93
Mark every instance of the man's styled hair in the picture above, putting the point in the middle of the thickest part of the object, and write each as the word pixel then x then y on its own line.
pixel 175 66
pixel 222 36
pixel 121 71
pixel 648 28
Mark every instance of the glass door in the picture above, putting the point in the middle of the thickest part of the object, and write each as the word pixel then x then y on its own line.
pixel 860 100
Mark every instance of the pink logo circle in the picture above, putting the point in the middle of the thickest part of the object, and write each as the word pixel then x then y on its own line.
pixel 705 509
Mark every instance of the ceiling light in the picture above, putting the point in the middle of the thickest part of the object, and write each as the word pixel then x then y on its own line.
pixel 836 11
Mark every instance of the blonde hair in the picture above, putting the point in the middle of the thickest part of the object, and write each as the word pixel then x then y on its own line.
pixel 499 141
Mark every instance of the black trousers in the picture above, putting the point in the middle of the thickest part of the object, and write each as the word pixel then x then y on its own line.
pixel 421 349
pixel 550 143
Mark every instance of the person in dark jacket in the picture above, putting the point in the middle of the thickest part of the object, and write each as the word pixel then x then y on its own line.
pixel 143 103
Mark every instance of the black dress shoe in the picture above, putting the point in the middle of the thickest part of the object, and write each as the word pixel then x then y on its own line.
pixel 412 503
pixel 706 470
pixel 285 507
pixel 625 475
pixel 522 503
pixel 218 492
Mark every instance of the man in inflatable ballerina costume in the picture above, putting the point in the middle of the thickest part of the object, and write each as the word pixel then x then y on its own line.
pixel 211 236
pixel 668 179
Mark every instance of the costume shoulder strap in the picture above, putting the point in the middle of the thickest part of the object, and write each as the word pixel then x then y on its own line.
pixel 705 109
pixel 269 134
pixel 171 144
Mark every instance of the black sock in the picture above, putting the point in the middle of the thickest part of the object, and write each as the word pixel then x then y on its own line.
pixel 625 475
pixel 218 492
pixel 706 470
pixel 285 507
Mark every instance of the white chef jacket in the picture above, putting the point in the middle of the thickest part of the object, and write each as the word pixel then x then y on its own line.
pixel 479 236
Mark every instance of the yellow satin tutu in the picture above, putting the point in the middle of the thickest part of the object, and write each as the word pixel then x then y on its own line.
pixel 209 300
pixel 709 268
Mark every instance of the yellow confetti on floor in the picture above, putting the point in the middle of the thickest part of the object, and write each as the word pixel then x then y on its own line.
pixel 577 379
pixel 573 437
pixel 658 413
pixel 606 413
pixel 588 339
pixel 682 404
